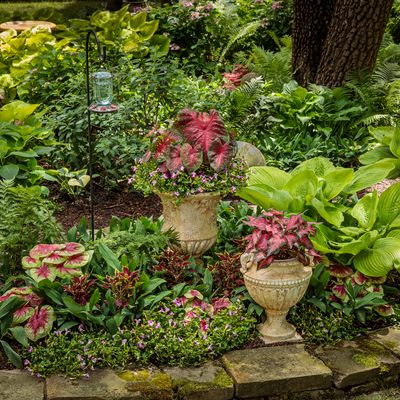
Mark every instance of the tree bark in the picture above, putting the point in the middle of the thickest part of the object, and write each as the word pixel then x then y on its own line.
pixel 311 20
pixel 114 5
pixel 354 38
pixel 333 37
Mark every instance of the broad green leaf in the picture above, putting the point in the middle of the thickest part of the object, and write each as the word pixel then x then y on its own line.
pixel 375 155
pixel 162 43
pixel 327 210
pixel 379 260
pixel 389 206
pixel 381 131
pixel 19 334
pixel 303 184
pixel 81 182
pixel 9 171
pixel 24 154
pixel 109 257
pixel 366 210
pixel 336 180
pixel 256 197
pixel 11 354
pixel 395 143
pixel 137 21
pixel 368 176
pixel 269 176
pixel 75 308
pixel 395 234
pixel 356 246
pixel 148 29
pixel 43 14
pixel 320 165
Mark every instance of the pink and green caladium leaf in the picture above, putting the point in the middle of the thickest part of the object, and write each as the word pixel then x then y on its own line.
pixel 29 262
pixel 63 272
pixel 220 304
pixel 33 299
pixel 162 145
pixel 191 294
pixel 44 250
pixel 340 292
pixel 378 280
pixel 71 249
pixel 202 129
pixel 384 310
pixel 40 324
pixel 360 278
pixel 77 260
pixel 20 292
pixel 147 156
pixel 174 162
pixel 192 157
pixel 220 154
pixel 340 271
pixel 45 271
pixel 54 258
pixel 23 314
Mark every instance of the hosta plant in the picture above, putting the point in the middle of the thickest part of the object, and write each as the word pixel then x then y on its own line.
pixel 196 155
pixel 277 237
pixel 48 261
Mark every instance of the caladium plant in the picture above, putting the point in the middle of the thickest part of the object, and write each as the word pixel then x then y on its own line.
pixel 277 237
pixel 48 261
pixel 196 139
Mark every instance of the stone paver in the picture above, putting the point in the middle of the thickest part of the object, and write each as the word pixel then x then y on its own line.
pixel 358 361
pixel 106 384
pixel 251 154
pixel 272 370
pixel 20 385
pixel 388 338
pixel 207 382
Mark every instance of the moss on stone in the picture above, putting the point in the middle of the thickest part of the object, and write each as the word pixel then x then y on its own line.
pixel 371 351
pixel 366 359
pixel 185 386
pixel 149 392
pixel 330 365
pixel 130 376
pixel 162 381
pixel 391 345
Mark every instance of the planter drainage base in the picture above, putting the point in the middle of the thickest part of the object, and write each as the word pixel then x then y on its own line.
pixel 270 340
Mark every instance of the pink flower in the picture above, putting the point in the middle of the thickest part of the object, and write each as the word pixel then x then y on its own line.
pixel 151 323
pixel 203 325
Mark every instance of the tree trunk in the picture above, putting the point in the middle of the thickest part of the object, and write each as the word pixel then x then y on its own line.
pixel 332 37
pixel 114 5
pixel 354 38
pixel 311 20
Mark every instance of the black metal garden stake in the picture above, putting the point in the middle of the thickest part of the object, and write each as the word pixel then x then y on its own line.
pixel 103 95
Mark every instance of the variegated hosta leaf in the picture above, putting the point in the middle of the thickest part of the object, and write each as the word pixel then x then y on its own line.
pixel 29 262
pixel 54 258
pixel 44 250
pixel 45 271
pixel 63 272
pixel 220 154
pixel 71 249
pixel 23 314
pixel 192 157
pixel 77 260
pixel 40 324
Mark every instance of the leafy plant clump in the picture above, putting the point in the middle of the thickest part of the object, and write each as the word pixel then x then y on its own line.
pixel 167 334
pixel 277 237
pixel 197 155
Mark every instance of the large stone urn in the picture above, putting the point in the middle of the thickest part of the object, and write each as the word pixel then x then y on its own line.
pixel 194 219
pixel 276 289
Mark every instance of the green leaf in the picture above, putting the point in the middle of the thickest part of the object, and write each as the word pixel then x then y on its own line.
pixel 336 181
pixel 24 154
pixel 109 257
pixel 148 29
pixel 327 210
pixel 270 176
pixel 365 211
pixel 389 206
pixel 9 171
pixel 75 308
pixel 320 165
pixel 19 334
pixel 71 236
pixel 154 283
pixel 395 142
pixel 110 302
pixel 302 184
pixel 162 43
pixel 95 297
pixel 8 305
pixel 375 155
pixel 112 326
pixel 356 246
pixel 11 354
pixel 379 260
pixel 159 297
pixel 368 176
pixel 380 132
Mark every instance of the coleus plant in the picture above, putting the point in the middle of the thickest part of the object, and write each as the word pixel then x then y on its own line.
pixel 195 139
pixel 37 320
pixel 48 261
pixel 277 237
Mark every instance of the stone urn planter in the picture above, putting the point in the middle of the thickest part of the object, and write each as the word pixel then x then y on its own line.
pixel 194 219
pixel 276 289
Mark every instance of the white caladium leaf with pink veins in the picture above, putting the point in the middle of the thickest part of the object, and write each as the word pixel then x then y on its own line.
pixel 77 260
pixel 40 323
pixel 44 250
pixel 63 272
pixel 71 249
pixel 54 258
pixel 45 271
pixel 29 262
pixel 23 314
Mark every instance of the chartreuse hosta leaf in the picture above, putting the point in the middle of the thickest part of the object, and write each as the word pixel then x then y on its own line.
pixel 326 210
pixel 257 196
pixel 302 184
pixel 270 176
pixel 381 131
pixel 368 176
pixel 378 154
pixel 320 165
pixel 379 260
pixel 365 211
pixel 395 142
pixel 389 206
pixel 336 181
pixel 395 234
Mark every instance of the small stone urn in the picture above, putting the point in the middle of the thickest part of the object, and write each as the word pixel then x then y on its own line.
pixel 276 289
pixel 195 220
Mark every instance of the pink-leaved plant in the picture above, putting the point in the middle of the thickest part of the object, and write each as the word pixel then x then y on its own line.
pixel 277 237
